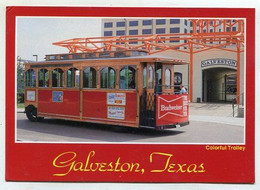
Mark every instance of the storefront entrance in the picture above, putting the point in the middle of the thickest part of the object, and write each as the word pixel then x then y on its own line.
pixel 219 85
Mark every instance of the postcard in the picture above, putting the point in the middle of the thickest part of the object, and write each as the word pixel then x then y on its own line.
pixel 117 94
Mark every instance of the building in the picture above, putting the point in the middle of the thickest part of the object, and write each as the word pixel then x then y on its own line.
pixel 215 74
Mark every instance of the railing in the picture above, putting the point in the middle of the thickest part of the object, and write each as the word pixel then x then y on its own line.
pixel 167 89
pixel 237 105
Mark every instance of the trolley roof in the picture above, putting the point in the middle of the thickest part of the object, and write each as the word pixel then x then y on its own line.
pixel 107 60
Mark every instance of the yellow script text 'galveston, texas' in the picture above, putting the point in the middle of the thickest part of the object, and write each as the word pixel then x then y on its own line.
pixel 159 162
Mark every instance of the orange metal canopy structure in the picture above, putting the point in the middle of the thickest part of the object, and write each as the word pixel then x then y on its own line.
pixel 206 34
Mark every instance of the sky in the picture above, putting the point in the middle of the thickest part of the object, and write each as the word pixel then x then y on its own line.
pixel 35 35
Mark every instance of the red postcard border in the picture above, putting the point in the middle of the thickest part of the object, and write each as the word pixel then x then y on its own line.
pixel 34 162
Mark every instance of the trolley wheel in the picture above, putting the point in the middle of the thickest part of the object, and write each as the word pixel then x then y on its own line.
pixel 31 113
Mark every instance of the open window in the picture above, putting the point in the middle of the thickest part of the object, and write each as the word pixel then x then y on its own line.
pixel 30 77
pixel 57 78
pixel 73 77
pixel 43 78
pixel 89 78
pixel 107 78
pixel 127 78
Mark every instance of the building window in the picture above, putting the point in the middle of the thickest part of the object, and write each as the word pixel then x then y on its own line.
pixel 147 22
pixel 211 30
pixel 175 30
pixel 120 24
pixel 133 23
pixel 43 78
pixel 57 78
pixel 107 78
pixel 191 23
pixel 89 78
pixel 174 39
pixel 73 77
pixel 127 78
pixel 133 32
pixel 204 31
pixel 167 78
pixel 108 33
pixel 174 21
pixel 234 29
pixel 144 77
pixel 161 40
pixel 133 41
pixel 120 33
pixel 30 76
pixel 108 25
pixel 228 29
pixel 185 30
pixel 160 21
pixel 160 30
pixel 185 22
pixel 147 31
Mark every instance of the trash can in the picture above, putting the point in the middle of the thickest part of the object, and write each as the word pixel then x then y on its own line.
pixel 198 100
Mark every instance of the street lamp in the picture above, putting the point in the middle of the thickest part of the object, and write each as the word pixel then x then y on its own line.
pixel 36 57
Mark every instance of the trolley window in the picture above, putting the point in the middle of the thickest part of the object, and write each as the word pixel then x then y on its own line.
pixel 89 78
pixel 144 77
pixel 107 77
pixel 73 77
pixel 127 78
pixel 43 78
pixel 30 78
pixel 167 78
pixel 150 79
pixel 57 78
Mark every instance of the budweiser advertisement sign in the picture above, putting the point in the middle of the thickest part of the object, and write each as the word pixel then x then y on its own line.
pixel 171 109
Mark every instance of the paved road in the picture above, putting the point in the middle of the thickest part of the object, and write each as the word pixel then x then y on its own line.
pixel 53 130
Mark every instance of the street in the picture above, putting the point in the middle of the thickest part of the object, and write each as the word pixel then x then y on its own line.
pixel 55 130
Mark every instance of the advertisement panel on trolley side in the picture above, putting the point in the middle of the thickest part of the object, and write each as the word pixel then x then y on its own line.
pixel 172 109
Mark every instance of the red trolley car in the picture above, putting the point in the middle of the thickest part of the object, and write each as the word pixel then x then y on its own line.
pixel 126 88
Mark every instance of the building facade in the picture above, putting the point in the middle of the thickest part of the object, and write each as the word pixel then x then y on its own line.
pixel 214 72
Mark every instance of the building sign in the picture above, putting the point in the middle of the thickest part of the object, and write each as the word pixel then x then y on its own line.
pixel 171 109
pixel 115 112
pixel 57 96
pixel 116 98
pixel 30 95
pixel 219 61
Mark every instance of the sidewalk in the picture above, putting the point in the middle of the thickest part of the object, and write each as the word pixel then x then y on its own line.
pixel 207 112
pixel 20 110
pixel 214 112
